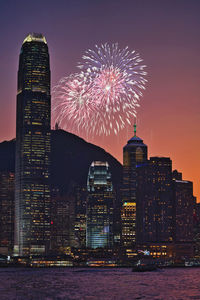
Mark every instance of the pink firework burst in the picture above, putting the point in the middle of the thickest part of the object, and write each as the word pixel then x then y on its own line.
pixel 73 108
pixel 104 97
pixel 117 75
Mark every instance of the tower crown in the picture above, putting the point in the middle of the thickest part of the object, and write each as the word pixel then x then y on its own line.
pixel 35 37
pixel 135 140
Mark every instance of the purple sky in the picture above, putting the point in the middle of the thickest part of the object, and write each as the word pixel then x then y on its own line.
pixel 165 33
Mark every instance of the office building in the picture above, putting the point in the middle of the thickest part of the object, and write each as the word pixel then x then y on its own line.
pixel 80 193
pixel 183 210
pixel 134 156
pixel 155 201
pixel 99 208
pixel 62 221
pixel 32 192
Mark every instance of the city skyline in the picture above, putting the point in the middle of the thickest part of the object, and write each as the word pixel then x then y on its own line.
pixel 168 119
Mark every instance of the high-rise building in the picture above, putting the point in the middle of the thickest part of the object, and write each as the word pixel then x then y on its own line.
pixel 183 210
pixel 183 214
pixel 196 227
pixel 99 207
pixel 80 193
pixel 155 201
pixel 62 221
pixel 6 212
pixel 161 200
pixel 144 208
pixel 32 192
pixel 134 156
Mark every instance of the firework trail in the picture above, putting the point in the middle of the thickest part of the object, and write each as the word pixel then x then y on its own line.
pixel 71 104
pixel 103 97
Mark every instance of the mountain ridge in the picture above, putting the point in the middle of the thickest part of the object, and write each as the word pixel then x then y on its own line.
pixel 71 157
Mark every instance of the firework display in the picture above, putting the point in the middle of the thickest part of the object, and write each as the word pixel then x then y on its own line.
pixel 72 106
pixel 102 98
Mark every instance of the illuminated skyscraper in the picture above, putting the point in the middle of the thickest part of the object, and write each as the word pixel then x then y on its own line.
pixel 32 193
pixel 134 156
pixel 99 210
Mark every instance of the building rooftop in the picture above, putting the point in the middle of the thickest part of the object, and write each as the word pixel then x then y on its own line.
pixel 135 140
pixel 35 37
pixel 99 163
pixel 182 181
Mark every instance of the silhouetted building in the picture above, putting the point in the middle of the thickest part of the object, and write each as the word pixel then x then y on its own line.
pixel 183 210
pixel 62 221
pixel 80 194
pixel 100 202
pixel 134 156
pixel 6 212
pixel 155 201
pixel 32 193
pixel 176 175
pixel 161 199
pixel 196 223
pixel 68 218
pixel 164 210
pixel 145 209
pixel 183 213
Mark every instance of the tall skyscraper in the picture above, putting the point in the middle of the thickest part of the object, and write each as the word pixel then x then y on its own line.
pixel 155 201
pixel 155 222
pixel 134 156
pixel 161 198
pixel 99 208
pixel 183 210
pixel 32 192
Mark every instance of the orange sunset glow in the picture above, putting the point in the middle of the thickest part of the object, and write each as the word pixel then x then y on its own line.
pixel 165 33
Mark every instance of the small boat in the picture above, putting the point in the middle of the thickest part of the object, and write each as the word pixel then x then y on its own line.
pixel 144 268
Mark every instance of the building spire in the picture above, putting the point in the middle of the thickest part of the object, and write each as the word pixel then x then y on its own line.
pixel 135 127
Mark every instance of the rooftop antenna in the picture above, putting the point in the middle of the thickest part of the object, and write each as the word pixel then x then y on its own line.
pixel 57 126
pixel 135 127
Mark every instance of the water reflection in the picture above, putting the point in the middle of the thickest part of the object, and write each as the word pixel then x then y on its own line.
pixel 94 283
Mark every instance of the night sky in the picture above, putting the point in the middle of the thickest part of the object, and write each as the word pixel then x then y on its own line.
pixel 165 33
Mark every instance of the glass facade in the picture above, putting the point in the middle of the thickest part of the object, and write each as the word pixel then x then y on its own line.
pixel 99 209
pixel 32 192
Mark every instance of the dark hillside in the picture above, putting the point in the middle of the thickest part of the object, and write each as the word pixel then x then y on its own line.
pixel 71 157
